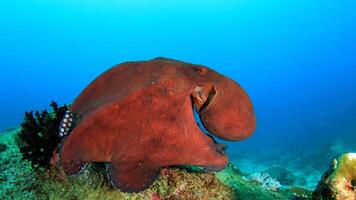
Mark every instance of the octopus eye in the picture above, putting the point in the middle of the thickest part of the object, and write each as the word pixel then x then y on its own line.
pixel 202 97
pixel 201 70
pixel 211 95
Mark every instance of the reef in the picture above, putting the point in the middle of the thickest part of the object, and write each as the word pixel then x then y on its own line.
pixel 38 137
pixel 339 182
pixel 19 180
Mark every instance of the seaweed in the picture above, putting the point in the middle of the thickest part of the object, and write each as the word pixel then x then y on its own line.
pixel 39 137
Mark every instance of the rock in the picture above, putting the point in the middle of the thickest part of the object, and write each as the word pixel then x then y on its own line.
pixel 339 182
pixel 284 176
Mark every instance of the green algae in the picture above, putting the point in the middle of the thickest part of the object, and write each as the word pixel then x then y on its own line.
pixel 20 181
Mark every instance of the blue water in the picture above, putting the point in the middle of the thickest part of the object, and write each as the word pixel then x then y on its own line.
pixel 296 58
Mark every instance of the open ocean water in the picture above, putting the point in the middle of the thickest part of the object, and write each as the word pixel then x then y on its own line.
pixel 296 59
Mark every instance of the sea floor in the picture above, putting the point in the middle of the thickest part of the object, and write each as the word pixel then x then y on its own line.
pixel 303 168
pixel 308 178
pixel 249 176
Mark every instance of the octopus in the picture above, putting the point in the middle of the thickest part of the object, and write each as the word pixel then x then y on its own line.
pixel 138 117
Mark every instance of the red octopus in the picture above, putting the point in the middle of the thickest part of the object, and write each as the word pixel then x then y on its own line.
pixel 138 117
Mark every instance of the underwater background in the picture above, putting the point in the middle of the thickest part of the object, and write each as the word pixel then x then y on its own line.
pixel 295 59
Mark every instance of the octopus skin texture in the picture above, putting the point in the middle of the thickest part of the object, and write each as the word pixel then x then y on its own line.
pixel 139 117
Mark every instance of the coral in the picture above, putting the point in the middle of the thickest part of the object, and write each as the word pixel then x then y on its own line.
pixel 38 137
pixel 265 180
pixel 339 182
pixel 173 184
